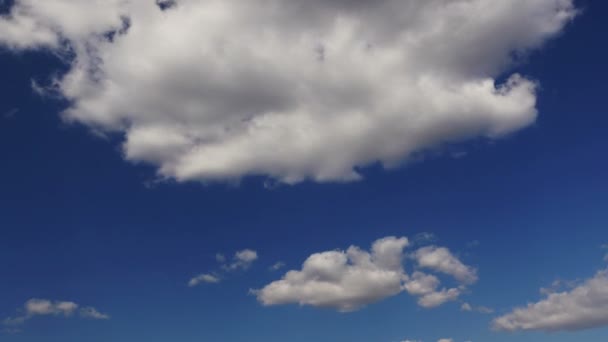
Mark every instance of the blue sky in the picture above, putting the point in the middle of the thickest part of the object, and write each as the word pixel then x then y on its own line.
pixel 84 220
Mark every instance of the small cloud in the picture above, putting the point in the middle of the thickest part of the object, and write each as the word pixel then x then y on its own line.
pixel 473 244
pixel 92 313
pixel 442 260
pixel 10 114
pixel 458 154
pixel 424 238
pixel 480 309
pixel 203 278
pixel 44 307
pixel 220 258
pixel 241 260
pixel 277 266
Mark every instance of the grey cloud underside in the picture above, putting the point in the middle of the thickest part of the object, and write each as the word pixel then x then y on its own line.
pixel 293 90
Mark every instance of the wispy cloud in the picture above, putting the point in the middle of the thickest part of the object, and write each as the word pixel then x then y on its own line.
pixel 480 309
pixel 10 114
pixel 44 307
pixel 277 266
pixel 204 278
pixel 242 260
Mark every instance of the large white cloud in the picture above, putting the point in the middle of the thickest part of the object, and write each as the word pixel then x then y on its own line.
pixel 219 89
pixel 348 280
pixel 584 307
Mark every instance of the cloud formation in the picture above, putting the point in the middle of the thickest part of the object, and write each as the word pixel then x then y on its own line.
pixel 292 90
pixel 583 307
pixel 441 260
pixel 203 278
pixel 348 280
pixel 44 307
pixel 470 308
pixel 241 260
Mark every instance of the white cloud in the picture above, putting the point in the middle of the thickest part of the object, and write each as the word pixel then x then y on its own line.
pixel 583 307
pixel 343 280
pixel 219 89
pixel 441 260
pixel 446 340
pixel 421 284
pixel 44 307
pixel 348 280
pixel 481 309
pixel 277 266
pixel 241 260
pixel 437 298
pixel 203 278
pixel 91 312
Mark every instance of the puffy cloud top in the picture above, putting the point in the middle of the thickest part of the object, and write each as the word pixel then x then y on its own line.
pixel 293 90
pixel 348 280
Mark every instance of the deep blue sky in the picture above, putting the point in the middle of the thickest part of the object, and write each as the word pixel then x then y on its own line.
pixel 79 223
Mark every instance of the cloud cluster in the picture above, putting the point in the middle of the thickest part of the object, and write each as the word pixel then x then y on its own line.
pixel 583 307
pixel 293 90
pixel 44 307
pixel 241 260
pixel 348 280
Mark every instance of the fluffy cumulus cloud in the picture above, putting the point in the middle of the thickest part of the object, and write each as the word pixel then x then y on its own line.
pixel 292 90
pixel 348 280
pixel 583 307
pixel 44 307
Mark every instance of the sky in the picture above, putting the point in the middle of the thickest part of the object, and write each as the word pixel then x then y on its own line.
pixel 279 170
